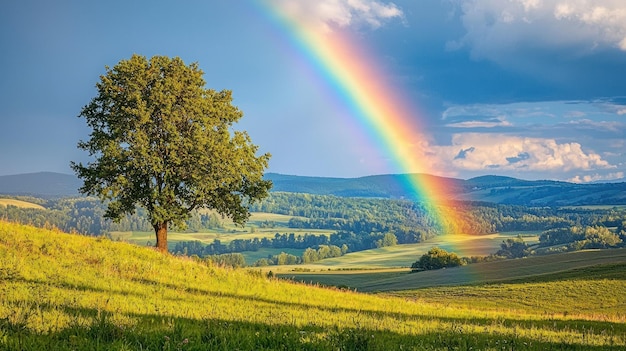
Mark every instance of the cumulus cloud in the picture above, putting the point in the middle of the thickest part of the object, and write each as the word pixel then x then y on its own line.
pixel 328 14
pixel 495 28
pixel 481 151
pixel 596 177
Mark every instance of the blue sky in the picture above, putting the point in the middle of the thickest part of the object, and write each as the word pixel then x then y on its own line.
pixel 534 89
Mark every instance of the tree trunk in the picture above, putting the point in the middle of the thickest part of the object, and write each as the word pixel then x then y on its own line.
pixel 160 230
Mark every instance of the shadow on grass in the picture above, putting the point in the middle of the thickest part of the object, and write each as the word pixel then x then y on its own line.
pixel 581 326
pixel 157 332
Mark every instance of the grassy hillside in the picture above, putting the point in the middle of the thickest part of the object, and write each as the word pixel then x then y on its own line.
pixel 67 292
pixel 597 289
pixel 20 203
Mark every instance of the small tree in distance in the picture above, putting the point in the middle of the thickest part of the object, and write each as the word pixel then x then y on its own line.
pixel 436 258
pixel 162 141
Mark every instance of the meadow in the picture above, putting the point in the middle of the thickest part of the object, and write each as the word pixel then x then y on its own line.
pixel 19 203
pixel 69 292
pixel 555 267
pixel 402 256
pixel 254 228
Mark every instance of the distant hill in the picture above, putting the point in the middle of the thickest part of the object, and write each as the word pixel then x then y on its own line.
pixel 497 189
pixel 384 186
pixel 42 184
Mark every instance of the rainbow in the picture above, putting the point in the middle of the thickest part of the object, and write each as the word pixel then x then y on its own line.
pixel 384 114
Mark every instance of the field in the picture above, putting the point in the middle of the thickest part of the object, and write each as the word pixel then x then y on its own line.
pixel 402 256
pixel 19 203
pixel 253 256
pixel 382 258
pixel 599 283
pixel 68 292
pixel 229 232
pixel 488 272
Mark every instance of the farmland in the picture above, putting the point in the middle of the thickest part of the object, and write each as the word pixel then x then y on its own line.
pixel 404 255
pixel 478 273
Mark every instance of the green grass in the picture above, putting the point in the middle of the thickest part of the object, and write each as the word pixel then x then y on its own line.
pixel 488 272
pixel 593 290
pixel 68 292
pixel 404 255
pixel 253 256
pixel 20 203
pixel 229 232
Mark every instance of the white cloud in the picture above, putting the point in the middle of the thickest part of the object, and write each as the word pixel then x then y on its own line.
pixel 610 126
pixel 499 152
pixel 499 111
pixel 596 177
pixel 575 114
pixel 496 122
pixel 327 14
pixel 496 28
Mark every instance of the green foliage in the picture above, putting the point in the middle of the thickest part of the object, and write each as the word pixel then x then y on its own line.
pixel 514 248
pixel 162 141
pixel 581 237
pixel 598 237
pixel 235 260
pixel 388 239
pixel 436 258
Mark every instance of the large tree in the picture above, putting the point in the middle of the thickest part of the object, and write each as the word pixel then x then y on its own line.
pixel 162 141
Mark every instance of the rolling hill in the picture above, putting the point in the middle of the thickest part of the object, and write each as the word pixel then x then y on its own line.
pixel 533 268
pixel 70 292
pixel 496 189
pixel 42 184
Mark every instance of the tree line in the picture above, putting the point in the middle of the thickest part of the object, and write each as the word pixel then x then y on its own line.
pixel 356 224
pixel 550 241
pixel 345 241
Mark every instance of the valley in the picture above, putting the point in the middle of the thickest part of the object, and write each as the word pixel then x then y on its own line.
pixel 104 287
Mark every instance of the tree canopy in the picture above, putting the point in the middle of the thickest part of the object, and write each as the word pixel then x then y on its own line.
pixel 436 258
pixel 162 141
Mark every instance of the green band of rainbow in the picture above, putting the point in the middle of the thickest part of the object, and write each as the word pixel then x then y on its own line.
pixel 355 77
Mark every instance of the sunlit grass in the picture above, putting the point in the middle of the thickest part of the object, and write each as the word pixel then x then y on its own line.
pixel 595 292
pixel 557 266
pixel 20 203
pixel 67 292
pixel 404 255
pixel 253 256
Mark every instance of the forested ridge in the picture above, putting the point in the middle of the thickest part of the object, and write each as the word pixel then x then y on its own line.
pixel 355 224
pixel 496 189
